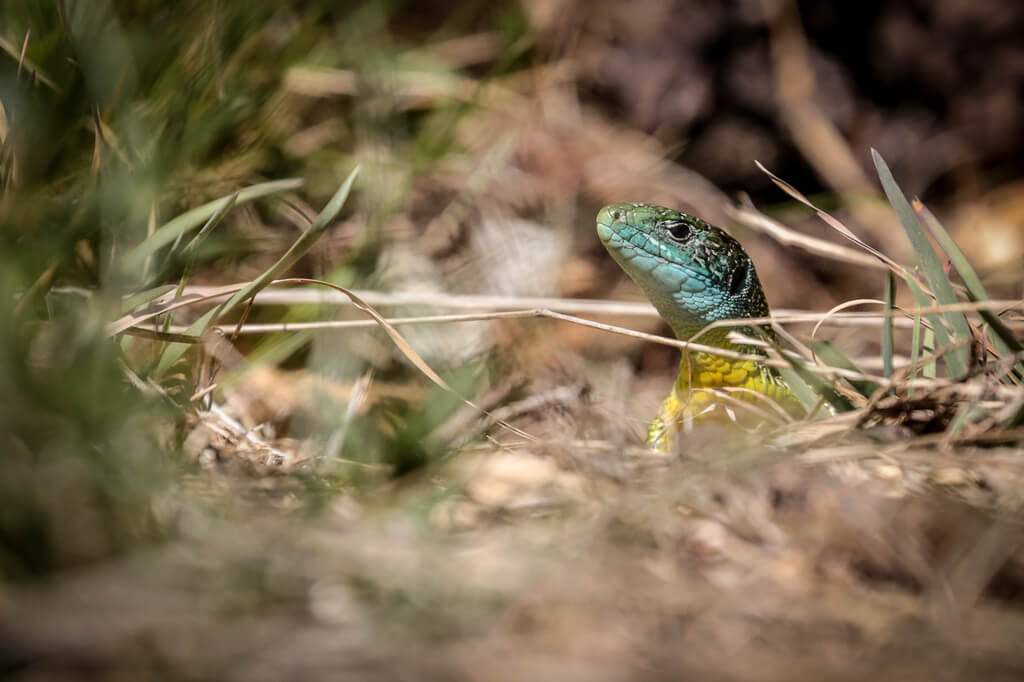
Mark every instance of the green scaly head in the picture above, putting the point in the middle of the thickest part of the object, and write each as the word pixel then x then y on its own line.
pixel 693 272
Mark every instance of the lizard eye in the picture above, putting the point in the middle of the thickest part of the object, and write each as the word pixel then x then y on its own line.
pixel 678 230
pixel 739 279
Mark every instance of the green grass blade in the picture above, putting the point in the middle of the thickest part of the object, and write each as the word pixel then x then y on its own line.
pixel 809 387
pixel 190 250
pixel 306 240
pixel 952 250
pixel 834 357
pixel 936 328
pixel 958 360
pixel 915 349
pixel 303 244
pixel 196 217
pixel 799 388
pixel 214 220
pixel 1003 339
pixel 174 351
pixel 887 337
pixel 928 345
pixel 137 300
pixel 817 384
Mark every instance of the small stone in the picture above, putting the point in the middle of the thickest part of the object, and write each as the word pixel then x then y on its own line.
pixel 208 458
pixel 501 479
pixel 949 476
pixel 888 471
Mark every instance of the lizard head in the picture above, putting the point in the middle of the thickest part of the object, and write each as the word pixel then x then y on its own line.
pixel 693 272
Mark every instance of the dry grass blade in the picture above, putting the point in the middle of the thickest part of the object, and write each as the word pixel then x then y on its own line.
pixel 407 350
pixel 785 317
pixel 157 309
pixel 211 293
pixel 812 130
pixel 842 306
pixel 752 403
pixel 24 63
pixel 828 218
pixel 297 296
pixel 819 247
pixel 838 226
pixel 133 301
pixel 41 284
pixel 403 345
pixel 24 50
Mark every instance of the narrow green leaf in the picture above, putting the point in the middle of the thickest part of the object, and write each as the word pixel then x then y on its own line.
pixel 1002 338
pixel 808 387
pixel 935 321
pixel 303 244
pixel 191 247
pixel 305 241
pixel 953 252
pixel 799 388
pixel 141 298
pixel 174 351
pixel 817 384
pixel 939 283
pixel 915 348
pixel 270 352
pixel 887 337
pixel 834 357
pixel 192 219
pixel 928 346
pixel 214 220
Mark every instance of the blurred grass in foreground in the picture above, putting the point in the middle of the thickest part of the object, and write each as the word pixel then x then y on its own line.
pixel 389 530
pixel 116 117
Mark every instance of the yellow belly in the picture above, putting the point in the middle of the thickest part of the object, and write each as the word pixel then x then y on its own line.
pixel 709 387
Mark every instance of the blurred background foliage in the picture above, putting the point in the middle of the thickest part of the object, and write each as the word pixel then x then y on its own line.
pixel 488 135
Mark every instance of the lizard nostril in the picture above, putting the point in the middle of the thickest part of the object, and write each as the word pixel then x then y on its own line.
pixel 616 215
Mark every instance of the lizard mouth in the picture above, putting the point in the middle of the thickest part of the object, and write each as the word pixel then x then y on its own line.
pixel 605 226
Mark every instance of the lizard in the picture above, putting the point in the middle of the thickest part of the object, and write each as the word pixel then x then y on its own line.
pixel 695 274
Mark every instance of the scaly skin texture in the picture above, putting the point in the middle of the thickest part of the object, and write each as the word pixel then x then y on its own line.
pixel 694 274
